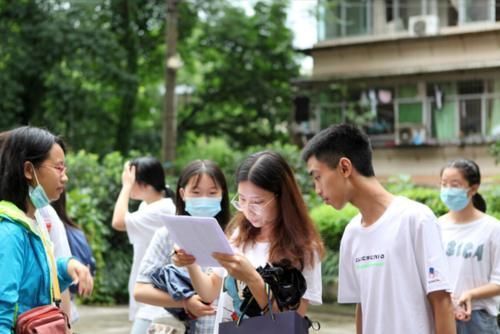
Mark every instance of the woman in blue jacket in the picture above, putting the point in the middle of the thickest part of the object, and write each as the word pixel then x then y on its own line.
pixel 32 173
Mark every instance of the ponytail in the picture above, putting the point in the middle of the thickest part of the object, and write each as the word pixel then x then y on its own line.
pixel 479 202
pixel 169 193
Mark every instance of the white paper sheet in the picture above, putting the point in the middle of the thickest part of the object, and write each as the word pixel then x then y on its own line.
pixel 198 236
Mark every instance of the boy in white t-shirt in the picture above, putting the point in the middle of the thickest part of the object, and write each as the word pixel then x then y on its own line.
pixel 392 262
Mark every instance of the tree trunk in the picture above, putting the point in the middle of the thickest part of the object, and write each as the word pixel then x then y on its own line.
pixel 169 131
pixel 126 12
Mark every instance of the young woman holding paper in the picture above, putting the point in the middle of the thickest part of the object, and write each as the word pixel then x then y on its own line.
pixel 272 225
pixel 201 191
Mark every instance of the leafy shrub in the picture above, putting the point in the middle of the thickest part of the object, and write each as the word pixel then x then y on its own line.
pixel 215 149
pixel 331 223
pixel 491 194
pixel 399 183
pixel 92 191
pixel 427 196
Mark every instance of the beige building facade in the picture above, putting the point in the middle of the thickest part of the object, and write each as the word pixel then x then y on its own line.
pixel 422 76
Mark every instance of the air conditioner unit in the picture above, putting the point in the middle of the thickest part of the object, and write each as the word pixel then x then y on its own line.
pixel 411 135
pixel 423 25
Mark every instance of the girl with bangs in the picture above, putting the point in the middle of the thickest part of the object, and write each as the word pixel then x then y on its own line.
pixel 201 192
pixel 272 226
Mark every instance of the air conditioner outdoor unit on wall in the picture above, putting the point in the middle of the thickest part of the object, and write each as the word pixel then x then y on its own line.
pixel 423 25
pixel 411 135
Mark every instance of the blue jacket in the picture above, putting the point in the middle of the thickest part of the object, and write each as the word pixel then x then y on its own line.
pixel 24 267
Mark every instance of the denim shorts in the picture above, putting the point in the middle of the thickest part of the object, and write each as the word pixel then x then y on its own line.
pixel 480 322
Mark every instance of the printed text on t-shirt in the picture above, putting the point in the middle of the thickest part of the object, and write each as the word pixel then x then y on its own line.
pixel 365 261
pixel 467 250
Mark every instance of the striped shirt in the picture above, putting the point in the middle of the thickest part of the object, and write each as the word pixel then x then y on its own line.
pixel 158 255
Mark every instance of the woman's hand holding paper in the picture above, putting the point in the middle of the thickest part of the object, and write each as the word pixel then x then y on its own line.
pixel 182 259
pixel 238 266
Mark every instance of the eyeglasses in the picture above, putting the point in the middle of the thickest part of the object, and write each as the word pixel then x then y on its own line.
pixel 61 168
pixel 251 206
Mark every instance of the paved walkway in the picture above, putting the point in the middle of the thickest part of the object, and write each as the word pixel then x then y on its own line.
pixel 107 320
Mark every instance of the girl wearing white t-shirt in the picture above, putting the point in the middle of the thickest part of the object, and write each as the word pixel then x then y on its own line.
pixel 472 244
pixel 201 192
pixel 142 179
pixel 272 225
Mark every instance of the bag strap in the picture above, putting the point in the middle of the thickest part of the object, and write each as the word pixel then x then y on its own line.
pixel 16 315
pixel 55 289
pixel 268 308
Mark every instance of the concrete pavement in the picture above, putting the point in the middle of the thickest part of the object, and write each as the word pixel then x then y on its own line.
pixel 114 319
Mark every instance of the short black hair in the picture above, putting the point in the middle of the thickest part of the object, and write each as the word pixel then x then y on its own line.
pixel 338 141
pixel 19 145
pixel 148 170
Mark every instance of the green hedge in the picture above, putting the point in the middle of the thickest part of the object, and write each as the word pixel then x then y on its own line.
pixel 92 191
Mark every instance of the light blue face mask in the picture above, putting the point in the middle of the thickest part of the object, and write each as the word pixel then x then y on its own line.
pixel 203 206
pixel 455 199
pixel 37 195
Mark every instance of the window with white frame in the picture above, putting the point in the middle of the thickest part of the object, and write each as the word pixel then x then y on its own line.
pixel 400 11
pixel 464 110
pixel 419 113
pixel 476 11
pixel 470 105
pixel 344 18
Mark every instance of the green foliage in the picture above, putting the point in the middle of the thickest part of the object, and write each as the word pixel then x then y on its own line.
pixel 491 194
pixel 331 223
pixel 244 94
pixel 82 207
pixel 92 191
pixel 101 91
pixel 398 183
pixel 215 149
pixel 427 196
pixel 495 151
pixel 330 268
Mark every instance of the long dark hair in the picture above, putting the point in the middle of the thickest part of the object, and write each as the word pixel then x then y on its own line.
pixel 470 171
pixel 196 169
pixel 59 206
pixel 18 146
pixel 294 236
pixel 148 170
